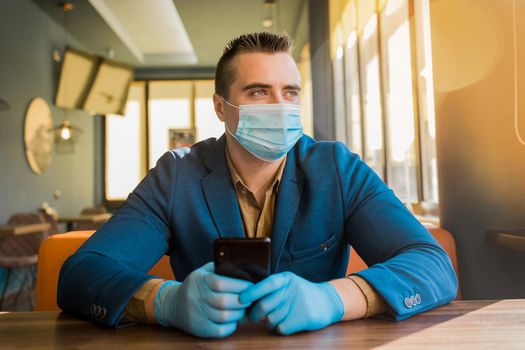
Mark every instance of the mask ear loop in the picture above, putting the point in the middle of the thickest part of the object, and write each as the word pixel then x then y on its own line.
pixel 229 104
pixel 225 124
pixel 229 132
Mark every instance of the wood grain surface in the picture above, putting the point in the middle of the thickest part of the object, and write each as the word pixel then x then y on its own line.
pixel 461 324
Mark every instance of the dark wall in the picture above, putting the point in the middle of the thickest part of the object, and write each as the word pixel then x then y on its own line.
pixel 481 163
pixel 27 38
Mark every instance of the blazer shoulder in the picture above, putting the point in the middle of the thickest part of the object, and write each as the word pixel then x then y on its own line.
pixel 308 147
pixel 194 154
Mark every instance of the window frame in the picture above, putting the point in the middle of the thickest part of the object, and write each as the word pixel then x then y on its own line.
pixel 112 204
pixel 421 175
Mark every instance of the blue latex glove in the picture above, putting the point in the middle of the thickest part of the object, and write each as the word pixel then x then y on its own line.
pixel 205 304
pixel 292 304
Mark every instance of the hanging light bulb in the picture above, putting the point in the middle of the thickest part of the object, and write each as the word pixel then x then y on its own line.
pixel 65 131
pixel 66 136
pixel 268 21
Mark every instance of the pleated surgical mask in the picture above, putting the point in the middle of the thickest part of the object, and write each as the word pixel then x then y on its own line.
pixel 268 131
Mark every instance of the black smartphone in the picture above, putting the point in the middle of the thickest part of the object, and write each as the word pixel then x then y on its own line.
pixel 244 258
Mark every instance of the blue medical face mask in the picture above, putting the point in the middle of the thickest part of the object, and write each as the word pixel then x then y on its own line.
pixel 268 131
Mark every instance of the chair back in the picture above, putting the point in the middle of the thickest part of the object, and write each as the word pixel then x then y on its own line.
pixel 94 210
pixel 21 250
pixel 81 226
pixel 444 238
pixel 50 217
pixel 54 251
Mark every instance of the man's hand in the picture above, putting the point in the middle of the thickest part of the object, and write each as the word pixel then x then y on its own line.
pixel 292 304
pixel 205 304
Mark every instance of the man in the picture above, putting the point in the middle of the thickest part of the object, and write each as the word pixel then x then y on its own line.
pixel 261 178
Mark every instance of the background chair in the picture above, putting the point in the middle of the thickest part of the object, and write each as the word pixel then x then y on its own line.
pixel 81 226
pixel 54 251
pixel 18 256
pixel 51 218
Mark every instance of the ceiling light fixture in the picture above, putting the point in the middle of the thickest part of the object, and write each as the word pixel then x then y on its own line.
pixel 269 20
pixel 65 133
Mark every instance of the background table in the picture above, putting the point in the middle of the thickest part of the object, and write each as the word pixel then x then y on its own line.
pixel 462 324
pixel 23 229
pixel 70 221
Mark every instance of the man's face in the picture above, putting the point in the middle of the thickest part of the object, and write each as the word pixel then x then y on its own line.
pixel 260 78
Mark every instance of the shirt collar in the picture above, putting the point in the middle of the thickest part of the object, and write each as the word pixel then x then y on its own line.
pixel 236 178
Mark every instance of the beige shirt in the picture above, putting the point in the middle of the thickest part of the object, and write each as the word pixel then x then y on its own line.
pixel 257 220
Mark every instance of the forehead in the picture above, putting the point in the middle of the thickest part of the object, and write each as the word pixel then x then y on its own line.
pixel 270 68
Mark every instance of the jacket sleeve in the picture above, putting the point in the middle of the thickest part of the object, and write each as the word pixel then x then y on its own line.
pixel 98 281
pixel 407 266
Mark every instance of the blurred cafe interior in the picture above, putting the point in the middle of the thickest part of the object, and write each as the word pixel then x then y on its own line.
pixel 429 93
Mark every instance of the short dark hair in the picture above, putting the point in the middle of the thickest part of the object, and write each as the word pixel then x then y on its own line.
pixel 247 43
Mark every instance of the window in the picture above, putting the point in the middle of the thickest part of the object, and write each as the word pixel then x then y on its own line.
pixel 206 122
pixel 175 113
pixel 339 93
pixel 170 108
pixel 371 84
pixel 388 92
pixel 398 100
pixel 425 97
pixel 124 137
pixel 353 95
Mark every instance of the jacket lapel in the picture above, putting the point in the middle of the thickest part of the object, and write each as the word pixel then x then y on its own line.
pixel 220 194
pixel 288 199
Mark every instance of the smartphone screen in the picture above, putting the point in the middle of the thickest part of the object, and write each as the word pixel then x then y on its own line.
pixel 244 258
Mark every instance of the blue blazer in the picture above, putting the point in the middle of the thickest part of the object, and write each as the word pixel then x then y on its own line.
pixel 327 199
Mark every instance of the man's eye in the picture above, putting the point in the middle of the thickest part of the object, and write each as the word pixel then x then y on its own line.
pixel 293 93
pixel 259 93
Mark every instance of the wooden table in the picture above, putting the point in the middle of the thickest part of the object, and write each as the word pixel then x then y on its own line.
pixel 14 230
pixel 91 219
pixel 462 324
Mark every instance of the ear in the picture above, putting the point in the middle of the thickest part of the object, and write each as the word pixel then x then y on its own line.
pixel 219 107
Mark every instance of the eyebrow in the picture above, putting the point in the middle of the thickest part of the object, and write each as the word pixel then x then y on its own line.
pixel 267 86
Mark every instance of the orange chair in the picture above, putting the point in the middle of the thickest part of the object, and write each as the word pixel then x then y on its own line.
pixel 56 249
pixel 52 254
pixel 441 235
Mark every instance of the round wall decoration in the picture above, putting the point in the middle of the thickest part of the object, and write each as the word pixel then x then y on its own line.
pixel 38 135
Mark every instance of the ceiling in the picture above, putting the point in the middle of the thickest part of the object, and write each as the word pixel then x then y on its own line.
pixel 172 33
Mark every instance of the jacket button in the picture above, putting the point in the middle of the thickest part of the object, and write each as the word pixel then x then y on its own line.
pixel 408 303
pixel 418 298
pixel 97 310
pixel 103 313
pixel 413 300
pixel 92 309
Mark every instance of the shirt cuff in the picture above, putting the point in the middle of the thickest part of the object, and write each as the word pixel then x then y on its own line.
pixel 136 310
pixel 375 303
